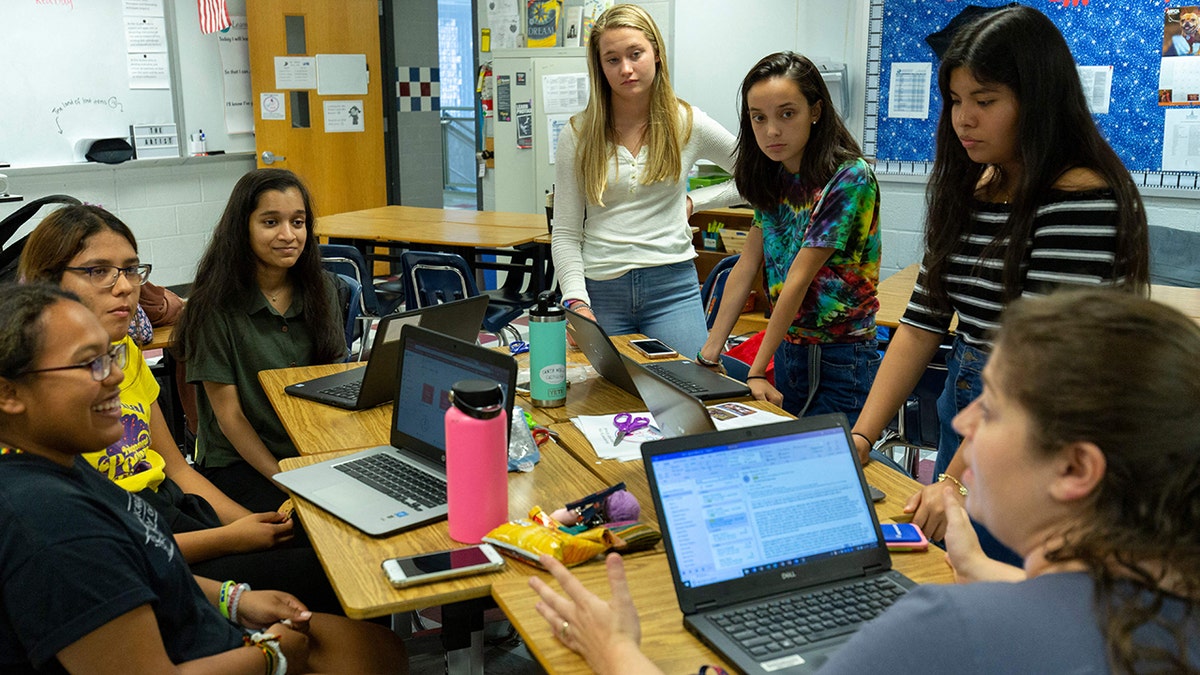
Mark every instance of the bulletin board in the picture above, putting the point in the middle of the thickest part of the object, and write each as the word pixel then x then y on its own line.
pixel 1134 37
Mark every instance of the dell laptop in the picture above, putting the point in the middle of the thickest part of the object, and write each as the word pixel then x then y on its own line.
pixel 771 522
pixel 392 487
pixel 690 376
pixel 374 384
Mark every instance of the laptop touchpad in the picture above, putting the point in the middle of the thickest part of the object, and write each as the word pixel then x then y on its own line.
pixel 351 495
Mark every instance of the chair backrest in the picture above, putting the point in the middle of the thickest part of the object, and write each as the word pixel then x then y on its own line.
pixel 346 260
pixel 350 299
pixel 714 287
pixel 13 222
pixel 432 278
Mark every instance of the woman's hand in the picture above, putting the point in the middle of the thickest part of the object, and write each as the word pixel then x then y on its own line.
pixel 259 609
pixel 764 391
pixel 259 531
pixel 929 511
pixel 863 449
pixel 963 552
pixel 584 312
pixel 606 634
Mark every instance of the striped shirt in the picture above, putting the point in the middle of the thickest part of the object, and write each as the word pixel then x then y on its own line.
pixel 1072 243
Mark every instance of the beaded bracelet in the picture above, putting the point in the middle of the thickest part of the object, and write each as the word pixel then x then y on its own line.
pixel 272 652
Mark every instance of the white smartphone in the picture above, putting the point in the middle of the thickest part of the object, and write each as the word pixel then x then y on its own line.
pixel 427 567
pixel 653 349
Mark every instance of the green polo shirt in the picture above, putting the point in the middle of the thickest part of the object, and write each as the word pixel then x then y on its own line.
pixel 231 347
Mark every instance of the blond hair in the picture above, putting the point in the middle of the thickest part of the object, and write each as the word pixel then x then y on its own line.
pixel 665 135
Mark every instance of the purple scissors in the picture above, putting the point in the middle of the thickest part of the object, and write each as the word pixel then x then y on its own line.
pixel 627 424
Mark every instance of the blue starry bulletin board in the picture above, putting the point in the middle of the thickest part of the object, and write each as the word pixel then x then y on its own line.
pixel 1127 35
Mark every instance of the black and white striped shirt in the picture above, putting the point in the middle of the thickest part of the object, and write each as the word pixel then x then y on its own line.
pixel 1073 242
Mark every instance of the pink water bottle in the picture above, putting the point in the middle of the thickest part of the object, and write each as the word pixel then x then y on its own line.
pixel 476 460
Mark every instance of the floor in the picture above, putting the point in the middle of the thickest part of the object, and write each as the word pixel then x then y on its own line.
pixel 504 652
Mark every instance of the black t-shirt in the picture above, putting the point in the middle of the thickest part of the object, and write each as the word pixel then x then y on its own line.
pixel 76 552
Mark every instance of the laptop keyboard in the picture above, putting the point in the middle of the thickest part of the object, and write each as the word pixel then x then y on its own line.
pixel 783 624
pixel 397 480
pixel 347 391
pixel 686 385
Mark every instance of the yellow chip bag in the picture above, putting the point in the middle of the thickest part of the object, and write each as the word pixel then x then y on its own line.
pixel 526 540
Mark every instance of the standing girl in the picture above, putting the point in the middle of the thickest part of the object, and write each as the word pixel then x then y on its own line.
pixel 622 245
pixel 260 301
pixel 816 234
pixel 1025 196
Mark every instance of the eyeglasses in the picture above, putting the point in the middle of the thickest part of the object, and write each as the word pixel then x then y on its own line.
pixel 101 365
pixel 105 276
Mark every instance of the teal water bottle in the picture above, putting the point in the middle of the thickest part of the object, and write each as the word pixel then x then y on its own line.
pixel 547 353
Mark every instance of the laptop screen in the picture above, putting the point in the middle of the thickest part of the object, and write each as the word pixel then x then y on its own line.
pixel 763 504
pixel 430 369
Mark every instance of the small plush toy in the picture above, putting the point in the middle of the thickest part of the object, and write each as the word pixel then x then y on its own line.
pixel 610 505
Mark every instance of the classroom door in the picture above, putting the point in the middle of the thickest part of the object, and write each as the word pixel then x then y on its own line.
pixel 334 142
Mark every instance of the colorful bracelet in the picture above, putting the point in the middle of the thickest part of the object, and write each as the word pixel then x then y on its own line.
pixel 575 304
pixel 223 597
pixel 272 652
pixel 705 362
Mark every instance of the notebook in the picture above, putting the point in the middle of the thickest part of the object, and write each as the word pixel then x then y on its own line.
pixel 374 384
pixel 356 487
pixel 775 514
pixel 690 376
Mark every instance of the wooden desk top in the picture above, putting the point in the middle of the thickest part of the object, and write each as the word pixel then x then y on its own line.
pixel 446 227
pixel 162 338
pixel 352 558
pixel 315 427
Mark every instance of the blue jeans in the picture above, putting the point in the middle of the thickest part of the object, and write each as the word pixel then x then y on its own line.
pixel 964 384
pixel 845 372
pixel 659 302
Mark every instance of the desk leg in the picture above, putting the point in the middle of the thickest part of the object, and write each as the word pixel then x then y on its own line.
pixel 462 636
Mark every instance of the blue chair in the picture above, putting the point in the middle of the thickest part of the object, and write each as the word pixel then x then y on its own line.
pixel 350 294
pixel 345 260
pixel 432 278
pixel 714 287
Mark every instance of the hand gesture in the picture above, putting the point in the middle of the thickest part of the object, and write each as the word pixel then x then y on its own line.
pixel 929 511
pixel 259 609
pixel 259 531
pixel 963 552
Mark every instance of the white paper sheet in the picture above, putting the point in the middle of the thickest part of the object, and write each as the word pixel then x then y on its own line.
pixel 908 90
pixel 343 116
pixel 566 93
pixel 1181 140
pixel 149 71
pixel 295 72
pixel 1097 87
pixel 234 47
pixel 145 34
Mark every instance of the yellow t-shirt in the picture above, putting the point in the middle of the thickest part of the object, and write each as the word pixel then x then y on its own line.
pixel 130 463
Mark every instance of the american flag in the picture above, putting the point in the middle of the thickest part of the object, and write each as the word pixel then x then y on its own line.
pixel 214 16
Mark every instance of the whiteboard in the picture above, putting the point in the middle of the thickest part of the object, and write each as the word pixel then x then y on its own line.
pixel 64 74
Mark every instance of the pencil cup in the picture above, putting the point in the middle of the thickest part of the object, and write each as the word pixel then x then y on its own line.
pixel 476 460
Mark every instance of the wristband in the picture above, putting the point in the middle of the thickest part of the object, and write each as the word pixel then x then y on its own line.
pixel 962 489
pixel 705 362
pixel 223 597
pixel 575 304
pixel 863 436
pixel 235 596
pixel 272 652
pixel 756 377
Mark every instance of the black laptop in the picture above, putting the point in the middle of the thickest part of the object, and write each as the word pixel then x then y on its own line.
pixel 771 527
pixel 688 375
pixel 392 487
pixel 367 387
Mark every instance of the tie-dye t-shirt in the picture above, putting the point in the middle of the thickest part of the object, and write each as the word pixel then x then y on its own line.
pixel 840 304
pixel 130 462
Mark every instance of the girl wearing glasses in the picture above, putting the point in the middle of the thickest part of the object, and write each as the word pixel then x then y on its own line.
pixel 261 300
pixel 90 578
pixel 90 252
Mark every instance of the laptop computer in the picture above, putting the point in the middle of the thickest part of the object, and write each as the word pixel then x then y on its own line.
pixel 374 384
pixel 676 412
pixel 775 514
pixel 690 376
pixel 392 487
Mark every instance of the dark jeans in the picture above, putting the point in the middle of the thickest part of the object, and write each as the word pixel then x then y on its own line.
pixel 245 485
pixel 843 378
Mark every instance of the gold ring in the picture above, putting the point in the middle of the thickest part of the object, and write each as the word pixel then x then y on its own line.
pixel 563 631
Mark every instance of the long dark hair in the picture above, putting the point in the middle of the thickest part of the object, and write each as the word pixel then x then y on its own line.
pixel 829 146
pixel 1122 372
pixel 226 273
pixel 22 332
pixel 1020 48
pixel 61 236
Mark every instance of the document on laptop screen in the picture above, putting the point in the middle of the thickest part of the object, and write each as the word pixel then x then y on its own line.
pixel 765 504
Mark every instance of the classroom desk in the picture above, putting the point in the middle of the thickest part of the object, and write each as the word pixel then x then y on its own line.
pixel 468 233
pixel 315 427
pixel 896 289
pixel 162 338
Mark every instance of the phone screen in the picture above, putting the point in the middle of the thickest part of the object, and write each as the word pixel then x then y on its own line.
pixel 652 347
pixel 900 532
pixel 442 561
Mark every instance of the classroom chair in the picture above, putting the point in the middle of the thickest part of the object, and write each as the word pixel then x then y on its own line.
pixel 11 253
pixel 432 278
pixel 346 260
pixel 714 287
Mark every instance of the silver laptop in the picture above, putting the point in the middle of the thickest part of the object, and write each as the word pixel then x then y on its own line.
pixel 374 384
pixel 676 412
pixel 772 515
pixel 392 487
pixel 688 375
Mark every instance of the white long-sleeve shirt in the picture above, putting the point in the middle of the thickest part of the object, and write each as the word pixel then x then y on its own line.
pixel 639 225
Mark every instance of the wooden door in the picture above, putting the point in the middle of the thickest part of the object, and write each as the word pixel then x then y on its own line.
pixel 345 169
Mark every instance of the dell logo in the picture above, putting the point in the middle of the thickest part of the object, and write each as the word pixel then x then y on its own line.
pixel 787 575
